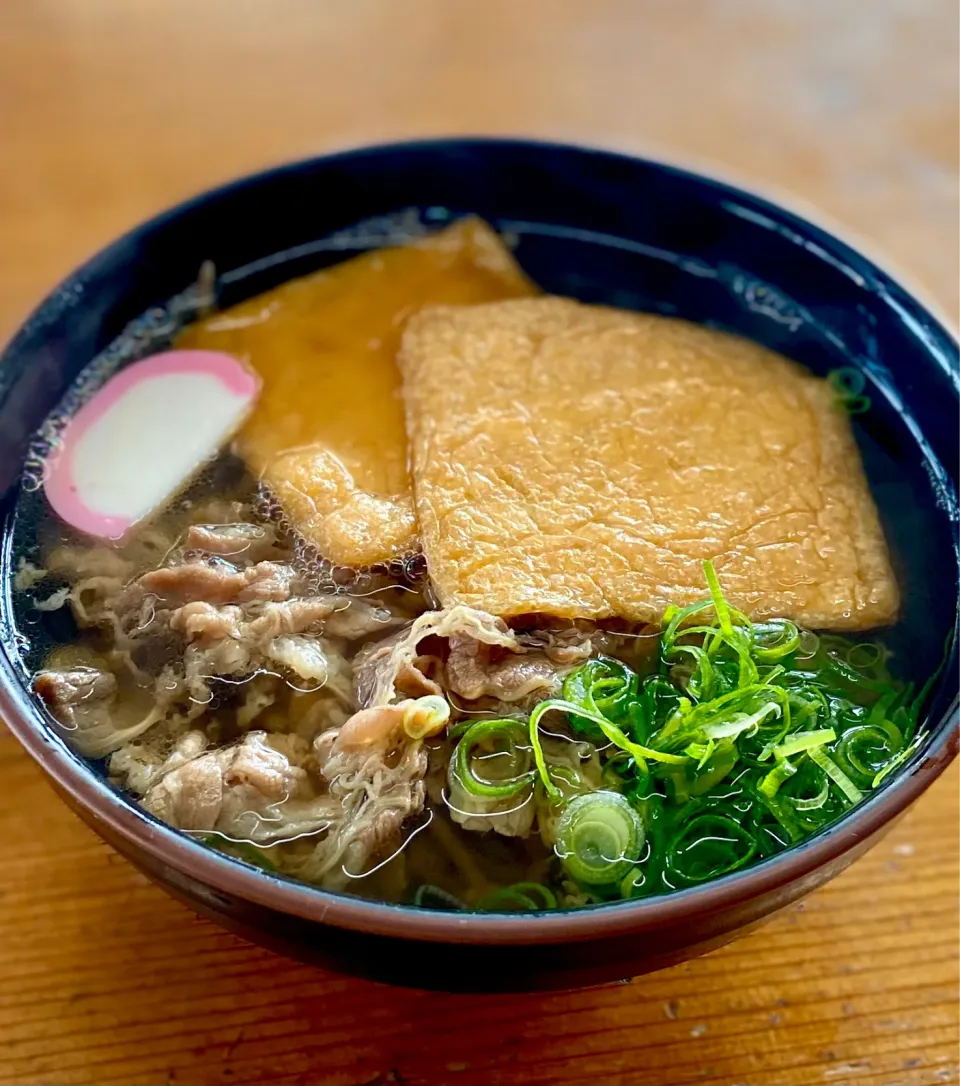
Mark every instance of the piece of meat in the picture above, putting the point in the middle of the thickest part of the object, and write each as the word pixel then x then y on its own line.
pixel 83 702
pixel 273 581
pixel 258 695
pixel 230 790
pixel 416 678
pixel 202 622
pixel 327 434
pixel 472 674
pixel 241 542
pixel 360 619
pixel 583 462
pixel 258 766
pixel 338 616
pixel 189 797
pixel 510 816
pixel 567 647
pixel 380 668
pixel 370 727
pixel 370 837
pixel 140 764
pixel 28 575
pixel 379 789
pixel 335 616
pixel 222 642
pixel 98 578
pixel 219 583
pixel 223 658
pixel 66 693
pixel 304 656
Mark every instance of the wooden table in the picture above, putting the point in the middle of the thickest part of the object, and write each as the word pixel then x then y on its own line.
pixel 111 109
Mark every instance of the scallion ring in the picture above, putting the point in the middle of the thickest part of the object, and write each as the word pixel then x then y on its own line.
pixel 520 897
pixel 709 846
pixel 866 750
pixel 510 734
pixel 434 897
pixel 775 639
pixel 599 837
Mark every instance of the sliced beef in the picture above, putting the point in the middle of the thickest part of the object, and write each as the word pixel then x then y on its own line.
pixel 379 785
pixel 567 647
pixel 190 797
pixel 68 693
pixel 245 544
pixel 202 622
pixel 472 673
pixel 379 668
pixel 76 562
pixel 338 616
pixel 482 658
pixel 220 582
pixel 217 790
pixel 82 700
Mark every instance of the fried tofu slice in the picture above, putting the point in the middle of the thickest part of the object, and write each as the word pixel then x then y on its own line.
pixel 327 433
pixel 582 462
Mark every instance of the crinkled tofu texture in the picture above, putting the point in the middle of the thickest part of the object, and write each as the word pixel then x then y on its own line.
pixel 327 433
pixel 583 462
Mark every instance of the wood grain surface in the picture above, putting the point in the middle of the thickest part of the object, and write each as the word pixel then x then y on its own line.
pixel 112 109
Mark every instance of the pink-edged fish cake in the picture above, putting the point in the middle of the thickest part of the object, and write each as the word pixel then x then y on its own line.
pixel 144 435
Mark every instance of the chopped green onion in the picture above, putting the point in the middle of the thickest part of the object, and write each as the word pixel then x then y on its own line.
pixel 715 768
pixel 836 774
pixel 848 384
pixel 521 897
pixel 865 750
pixel 599 838
pixel 904 754
pixel 689 721
pixel 774 640
pixel 865 655
pixel 734 741
pixel 801 741
pixel 709 846
pixel 241 850
pixel 433 897
pixel 510 733
pixel 426 716
pixel 720 605
pixel 741 722
pixel 772 781
pixel 813 803
pixel 610 730
pixel 602 686
pixel 636 883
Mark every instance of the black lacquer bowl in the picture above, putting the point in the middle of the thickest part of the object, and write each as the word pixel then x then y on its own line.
pixel 603 228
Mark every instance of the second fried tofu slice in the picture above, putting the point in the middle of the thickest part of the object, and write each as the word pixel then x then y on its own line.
pixel 327 433
pixel 582 462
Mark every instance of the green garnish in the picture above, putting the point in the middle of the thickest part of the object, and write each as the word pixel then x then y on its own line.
pixel 241 850
pixel 521 897
pixel 607 727
pixel 499 743
pixel 599 838
pixel 737 740
pixel 836 774
pixel 848 384
pixel 429 896
pixel 800 741
pixel 709 846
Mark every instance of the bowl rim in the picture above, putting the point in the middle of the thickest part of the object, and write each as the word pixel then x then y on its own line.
pixel 28 722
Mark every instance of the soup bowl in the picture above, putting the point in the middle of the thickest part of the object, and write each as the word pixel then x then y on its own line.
pixel 601 227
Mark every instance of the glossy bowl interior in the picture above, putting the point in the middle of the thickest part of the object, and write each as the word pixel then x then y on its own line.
pixel 603 228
